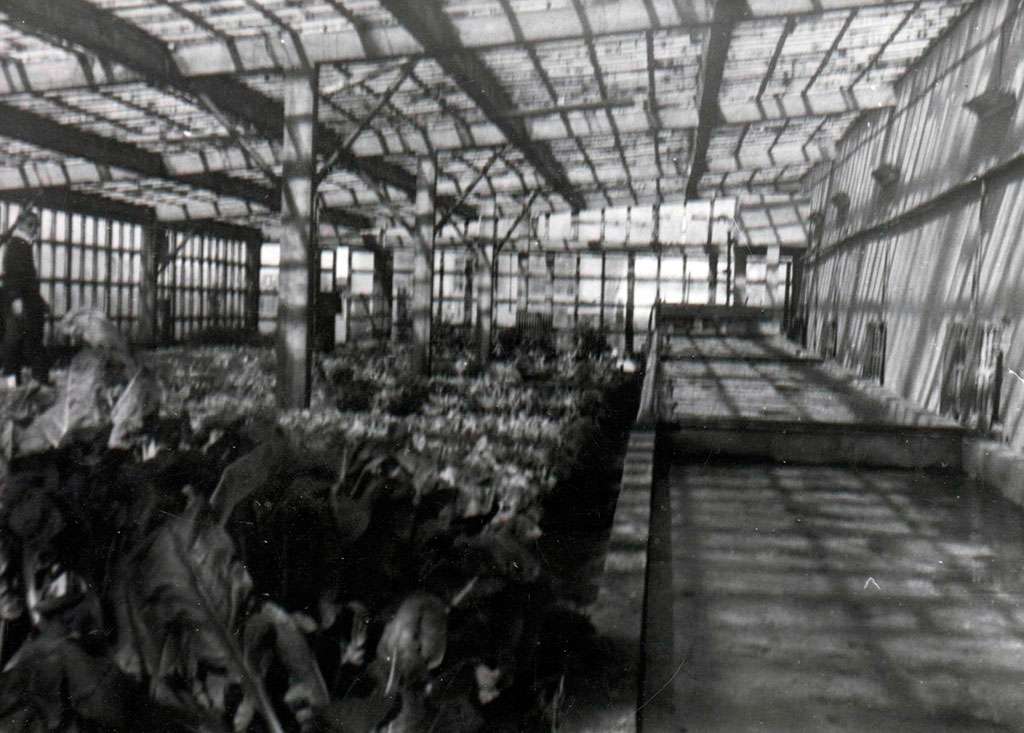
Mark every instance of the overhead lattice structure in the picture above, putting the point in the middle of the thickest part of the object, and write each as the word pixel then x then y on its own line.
pixel 175 106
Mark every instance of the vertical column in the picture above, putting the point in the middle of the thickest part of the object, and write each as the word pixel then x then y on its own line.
pixel 423 266
pixel 630 282
pixel 153 240
pixel 383 289
pixel 523 285
pixel 399 301
pixel 473 265
pixel 483 283
pixel 686 280
pixel 296 279
pixel 798 326
pixel 728 271
pixel 739 277
pixel 773 280
pixel 252 284
pixel 440 286
pixel 712 276
pixel 576 296
pixel 549 285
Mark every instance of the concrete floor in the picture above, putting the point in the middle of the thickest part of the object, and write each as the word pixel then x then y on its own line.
pixel 836 599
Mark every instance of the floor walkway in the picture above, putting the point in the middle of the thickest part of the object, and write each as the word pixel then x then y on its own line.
pixel 831 599
pixel 784 596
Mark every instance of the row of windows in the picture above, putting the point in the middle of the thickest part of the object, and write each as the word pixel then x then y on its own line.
pixel 91 261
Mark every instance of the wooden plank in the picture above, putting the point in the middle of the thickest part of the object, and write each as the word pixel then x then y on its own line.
pixel 253 54
pixel 716 51
pixel 483 282
pixel 423 272
pixel 295 279
pixel 432 28
pixel 116 40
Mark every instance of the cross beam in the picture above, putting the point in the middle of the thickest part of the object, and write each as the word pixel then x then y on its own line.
pixel 113 39
pixel 716 50
pixel 66 140
pixel 253 54
pixel 434 30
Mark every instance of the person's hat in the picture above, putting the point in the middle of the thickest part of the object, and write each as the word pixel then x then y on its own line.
pixel 28 220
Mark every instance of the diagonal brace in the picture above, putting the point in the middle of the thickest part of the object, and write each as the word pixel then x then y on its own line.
pixel 495 156
pixel 346 146
pixel 518 220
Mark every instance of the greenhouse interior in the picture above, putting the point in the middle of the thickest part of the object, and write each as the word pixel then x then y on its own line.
pixel 443 366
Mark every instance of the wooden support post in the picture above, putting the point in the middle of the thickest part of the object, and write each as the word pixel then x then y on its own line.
pixel 739 277
pixel 153 239
pixel 397 298
pixel 576 296
pixel 657 278
pixel 423 272
pixel 630 283
pixel 712 276
pixel 549 285
pixel 773 281
pixel 728 272
pixel 469 286
pixel 296 278
pixel 523 285
pixel 484 284
pixel 686 280
pixel 600 316
pixel 797 325
pixel 252 284
pixel 440 287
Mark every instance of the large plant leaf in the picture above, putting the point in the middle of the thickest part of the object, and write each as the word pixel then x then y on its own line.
pixel 307 691
pixel 140 400
pixel 249 473
pixel 53 679
pixel 54 683
pixel 187 594
pixel 92 327
pixel 415 639
pixel 78 411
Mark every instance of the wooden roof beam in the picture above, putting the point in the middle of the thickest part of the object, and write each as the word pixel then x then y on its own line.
pixel 716 51
pixel 565 124
pixel 652 107
pixel 833 48
pixel 432 28
pixel 116 40
pixel 62 198
pixel 252 54
pixel 888 42
pixel 602 88
pixel 779 155
pixel 70 141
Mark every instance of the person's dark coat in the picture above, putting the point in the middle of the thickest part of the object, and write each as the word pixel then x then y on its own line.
pixel 21 281
pixel 23 334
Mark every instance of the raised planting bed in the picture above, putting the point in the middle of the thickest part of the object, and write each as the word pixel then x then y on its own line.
pixel 174 556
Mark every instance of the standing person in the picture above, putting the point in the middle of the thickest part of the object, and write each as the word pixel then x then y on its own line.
pixel 24 309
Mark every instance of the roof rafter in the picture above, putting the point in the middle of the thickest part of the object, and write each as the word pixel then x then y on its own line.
pixel 888 42
pixel 716 50
pixel 433 29
pixel 114 39
pixel 252 54
pixel 838 39
pixel 45 133
pixel 603 89
pixel 563 114
pixel 652 106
